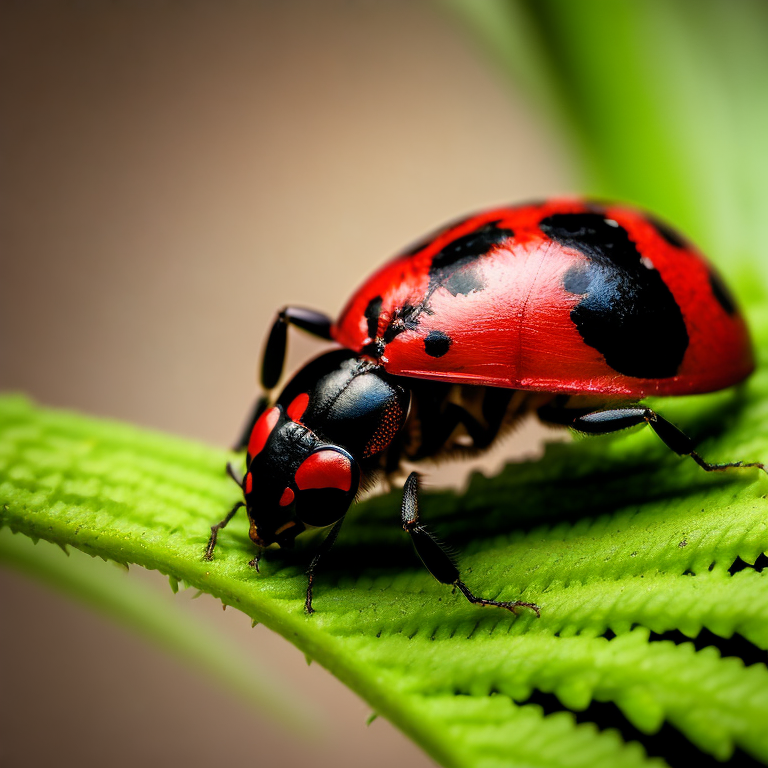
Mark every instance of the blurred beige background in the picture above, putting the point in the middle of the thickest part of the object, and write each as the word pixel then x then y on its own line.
pixel 172 173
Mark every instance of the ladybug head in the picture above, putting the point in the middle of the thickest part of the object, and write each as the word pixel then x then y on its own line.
pixel 295 480
pixel 303 452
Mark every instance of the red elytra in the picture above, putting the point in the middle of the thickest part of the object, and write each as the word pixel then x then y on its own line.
pixel 518 331
pixel 262 429
pixel 325 469
pixel 287 497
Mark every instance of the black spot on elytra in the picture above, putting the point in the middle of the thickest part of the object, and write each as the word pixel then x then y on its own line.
pixel 372 312
pixel 627 314
pixel 425 242
pixel 405 318
pixel 463 281
pixel 470 246
pixel 437 343
pixel 577 280
pixel 453 267
pixel 721 293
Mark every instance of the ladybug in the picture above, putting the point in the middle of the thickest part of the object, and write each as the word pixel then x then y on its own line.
pixel 571 309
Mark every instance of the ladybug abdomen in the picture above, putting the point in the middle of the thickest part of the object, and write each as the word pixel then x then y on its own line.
pixel 560 297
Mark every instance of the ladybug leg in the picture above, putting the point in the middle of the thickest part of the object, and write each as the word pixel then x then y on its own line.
pixel 433 553
pixel 216 528
pixel 324 547
pixel 602 422
pixel 315 323
pixel 438 424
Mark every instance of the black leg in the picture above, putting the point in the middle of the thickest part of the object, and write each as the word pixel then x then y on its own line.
pixel 315 323
pixel 602 422
pixel 274 356
pixel 216 528
pixel 433 554
pixel 439 422
pixel 324 547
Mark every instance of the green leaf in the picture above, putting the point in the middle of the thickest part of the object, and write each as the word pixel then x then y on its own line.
pixel 616 539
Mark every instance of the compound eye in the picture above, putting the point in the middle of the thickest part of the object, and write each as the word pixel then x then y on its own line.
pixel 327 481
pixel 261 431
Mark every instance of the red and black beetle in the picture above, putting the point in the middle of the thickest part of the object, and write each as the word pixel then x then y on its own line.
pixel 572 309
